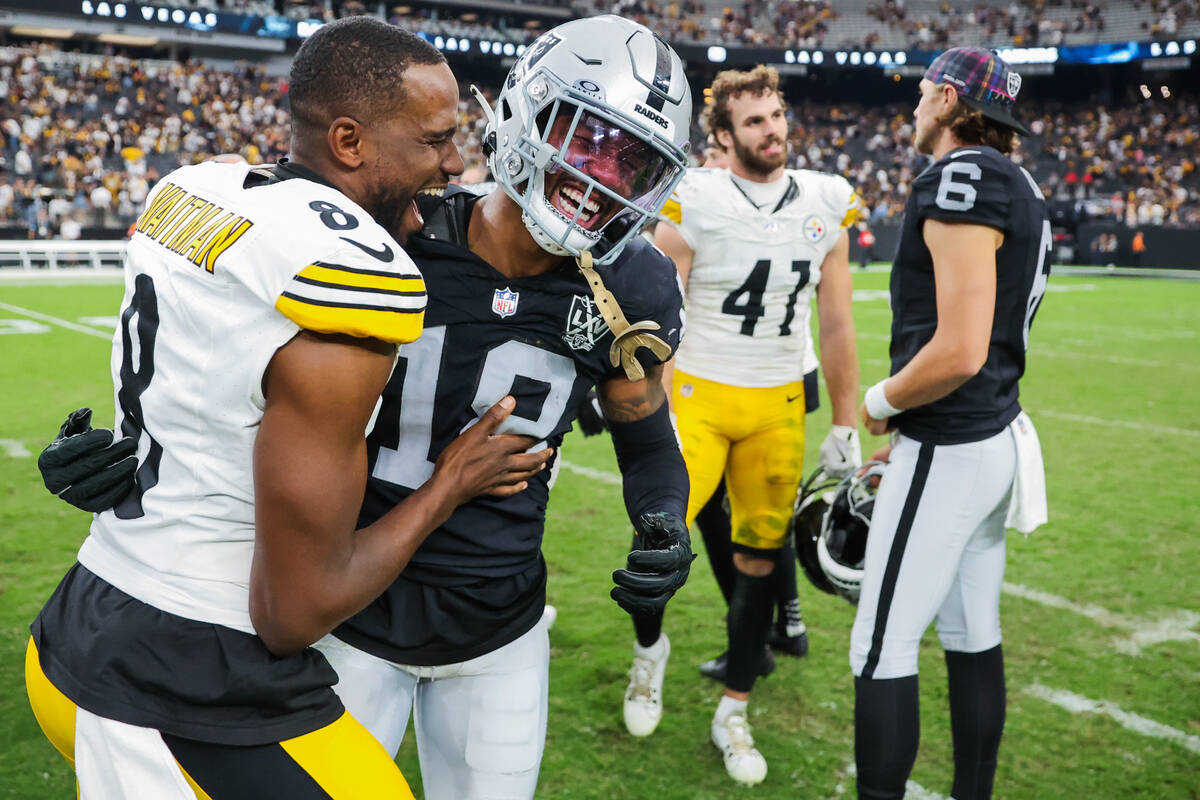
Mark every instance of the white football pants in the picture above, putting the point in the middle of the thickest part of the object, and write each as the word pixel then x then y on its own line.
pixel 935 551
pixel 480 724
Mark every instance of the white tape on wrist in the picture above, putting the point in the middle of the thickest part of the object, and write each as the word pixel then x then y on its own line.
pixel 877 403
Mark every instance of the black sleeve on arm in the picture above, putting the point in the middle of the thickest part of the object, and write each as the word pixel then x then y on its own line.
pixel 653 474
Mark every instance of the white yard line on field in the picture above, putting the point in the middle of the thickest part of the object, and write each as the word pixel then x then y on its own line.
pixel 62 323
pixel 1175 626
pixel 593 474
pixel 103 323
pixel 1102 616
pixel 1120 423
pixel 1071 287
pixel 1078 704
pixel 1136 362
pixel 1111 331
pixel 14 449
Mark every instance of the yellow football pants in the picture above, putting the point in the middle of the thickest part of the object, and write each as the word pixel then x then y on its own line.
pixel 340 761
pixel 754 437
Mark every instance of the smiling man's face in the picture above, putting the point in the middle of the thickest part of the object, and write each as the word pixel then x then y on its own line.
pixel 610 156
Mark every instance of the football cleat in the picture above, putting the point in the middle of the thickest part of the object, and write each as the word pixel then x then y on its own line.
pixel 795 646
pixel 789 634
pixel 643 697
pixel 715 668
pixel 732 737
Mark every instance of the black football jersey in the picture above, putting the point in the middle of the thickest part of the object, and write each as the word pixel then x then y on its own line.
pixel 478 582
pixel 973 185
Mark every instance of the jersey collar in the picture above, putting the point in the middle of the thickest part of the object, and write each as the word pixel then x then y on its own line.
pixel 286 169
pixel 789 194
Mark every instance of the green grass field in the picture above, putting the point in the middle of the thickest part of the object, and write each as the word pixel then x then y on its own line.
pixel 1101 603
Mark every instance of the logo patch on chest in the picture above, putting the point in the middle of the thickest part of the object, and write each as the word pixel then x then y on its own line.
pixel 814 229
pixel 504 302
pixel 585 324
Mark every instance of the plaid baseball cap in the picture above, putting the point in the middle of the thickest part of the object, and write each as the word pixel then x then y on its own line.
pixel 983 81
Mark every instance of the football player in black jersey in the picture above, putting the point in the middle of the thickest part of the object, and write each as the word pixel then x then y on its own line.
pixel 967 280
pixel 540 290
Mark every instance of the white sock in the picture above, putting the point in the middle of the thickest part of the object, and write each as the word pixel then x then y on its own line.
pixel 653 652
pixel 727 706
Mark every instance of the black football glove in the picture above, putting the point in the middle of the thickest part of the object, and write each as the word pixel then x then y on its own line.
pixel 591 418
pixel 657 567
pixel 86 467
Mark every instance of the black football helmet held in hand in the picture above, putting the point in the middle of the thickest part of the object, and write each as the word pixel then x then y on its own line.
pixel 830 526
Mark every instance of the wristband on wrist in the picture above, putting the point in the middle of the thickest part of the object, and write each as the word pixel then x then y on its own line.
pixel 877 403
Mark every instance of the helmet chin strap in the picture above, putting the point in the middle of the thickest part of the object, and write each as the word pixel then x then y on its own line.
pixel 626 338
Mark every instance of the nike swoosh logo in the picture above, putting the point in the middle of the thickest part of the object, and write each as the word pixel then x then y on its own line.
pixel 383 254
pixel 797 397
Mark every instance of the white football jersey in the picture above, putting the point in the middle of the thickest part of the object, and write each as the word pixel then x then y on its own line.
pixel 753 273
pixel 217 278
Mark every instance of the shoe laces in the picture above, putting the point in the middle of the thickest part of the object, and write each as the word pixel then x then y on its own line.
pixel 740 740
pixel 640 677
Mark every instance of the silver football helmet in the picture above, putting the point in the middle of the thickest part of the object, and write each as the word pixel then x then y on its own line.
pixel 589 134
pixel 830 527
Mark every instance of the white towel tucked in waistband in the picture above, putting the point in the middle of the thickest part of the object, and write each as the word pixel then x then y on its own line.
pixel 1027 509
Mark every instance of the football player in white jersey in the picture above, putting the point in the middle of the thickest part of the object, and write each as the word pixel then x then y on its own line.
pixel 752 244
pixel 259 324
pixel 587 140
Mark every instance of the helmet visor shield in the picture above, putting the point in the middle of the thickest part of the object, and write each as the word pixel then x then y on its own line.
pixel 610 169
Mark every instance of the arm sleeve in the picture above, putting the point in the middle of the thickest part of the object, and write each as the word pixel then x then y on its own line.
pixel 971 188
pixel 654 477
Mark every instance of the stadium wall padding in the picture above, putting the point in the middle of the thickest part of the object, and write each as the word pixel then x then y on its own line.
pixel 1168 248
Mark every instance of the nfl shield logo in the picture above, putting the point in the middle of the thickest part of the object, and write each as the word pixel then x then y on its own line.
pixel 504 302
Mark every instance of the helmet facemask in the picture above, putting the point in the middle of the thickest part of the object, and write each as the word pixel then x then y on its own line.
pixel 592 178
pixel 598 107
pixel 842 542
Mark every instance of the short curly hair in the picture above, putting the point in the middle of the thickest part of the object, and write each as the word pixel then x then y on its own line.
pixel 353 67
pixel 730 83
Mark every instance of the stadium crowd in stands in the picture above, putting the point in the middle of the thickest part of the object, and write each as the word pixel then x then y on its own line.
pixel 85 137
pixel 1021 25
pixel 920 24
